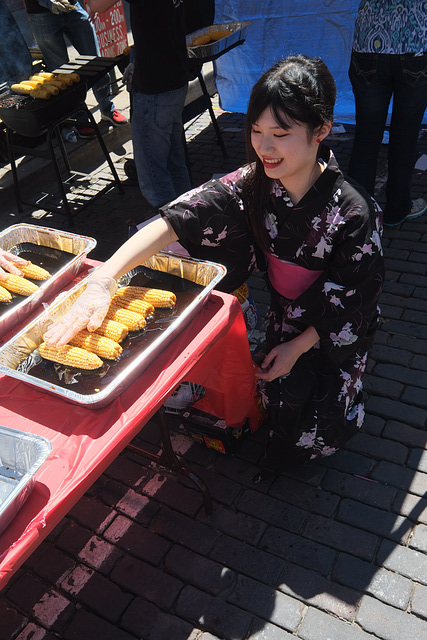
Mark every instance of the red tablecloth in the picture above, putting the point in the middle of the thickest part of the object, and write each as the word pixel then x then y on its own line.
pixel 213 351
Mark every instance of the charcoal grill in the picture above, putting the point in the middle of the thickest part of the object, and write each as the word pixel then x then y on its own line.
pixel 32 118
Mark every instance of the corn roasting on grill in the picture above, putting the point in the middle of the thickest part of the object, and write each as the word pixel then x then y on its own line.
pixel 34 272
pixel 70 356
pixel 156 297
pixel 19 285
pixel 95 343
pixel 114 330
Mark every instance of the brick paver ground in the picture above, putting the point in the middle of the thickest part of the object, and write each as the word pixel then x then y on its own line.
pixel 334 551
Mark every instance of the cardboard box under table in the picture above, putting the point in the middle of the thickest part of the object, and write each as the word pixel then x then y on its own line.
pixel 85 441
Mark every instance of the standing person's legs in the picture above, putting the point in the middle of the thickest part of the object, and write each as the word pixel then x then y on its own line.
pixel 81 34
pixel 48 31
pixel 372 88
pixel 177 161
pixel 158 150
pixel 409 104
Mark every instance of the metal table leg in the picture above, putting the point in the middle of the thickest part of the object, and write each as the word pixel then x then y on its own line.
pixel 167 459
pixel 212 114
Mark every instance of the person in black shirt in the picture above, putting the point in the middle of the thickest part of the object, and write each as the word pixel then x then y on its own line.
pixel 158 87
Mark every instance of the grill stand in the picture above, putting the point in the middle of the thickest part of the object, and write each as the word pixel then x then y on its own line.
pixel 52 129
pixel 168 459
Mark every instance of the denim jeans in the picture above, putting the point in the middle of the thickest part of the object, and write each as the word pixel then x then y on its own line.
pixel 375 79
pixel 158 145
pixel 50 31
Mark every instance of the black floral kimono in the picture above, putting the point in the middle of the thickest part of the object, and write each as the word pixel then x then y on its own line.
pixel 334 230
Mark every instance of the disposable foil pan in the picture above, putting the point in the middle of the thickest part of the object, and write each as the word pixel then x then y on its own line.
pixel 21 456
pixel 16 356
pixel 238 32
pixel 14 314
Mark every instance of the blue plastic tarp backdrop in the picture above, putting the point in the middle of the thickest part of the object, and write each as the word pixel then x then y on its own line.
pixel 318 28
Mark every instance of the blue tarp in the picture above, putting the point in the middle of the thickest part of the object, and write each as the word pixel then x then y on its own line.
pixel 318 28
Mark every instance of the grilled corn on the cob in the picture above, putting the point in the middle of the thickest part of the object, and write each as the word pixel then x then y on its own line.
pixel 95 343
pixel 46 74
pixel 116 331
pixel 19 285
pixel 71 356
pixel 5 296
pixel 156 297
pixel 34 272
pixel 133 321
pixel 133 304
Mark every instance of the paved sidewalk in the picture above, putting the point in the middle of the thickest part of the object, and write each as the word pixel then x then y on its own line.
pixel 335 551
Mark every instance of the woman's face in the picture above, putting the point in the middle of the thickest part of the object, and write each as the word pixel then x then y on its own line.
pixel 288 155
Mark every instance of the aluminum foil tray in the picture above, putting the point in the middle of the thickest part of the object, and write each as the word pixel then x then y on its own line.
pixel 238 32
pixel 192 281
pixel 21 455
pixel 60 252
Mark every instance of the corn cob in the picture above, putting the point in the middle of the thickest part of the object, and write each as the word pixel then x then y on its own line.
pixel 5 296
pixel 156 297
pixel 133 304
pixel 46 74
pixel 93 342
pixel 71 356
pixel 36 84
pixel 65 77
pixel 133 321
pixel 114 330
pixel 41 94
pixel 34 272
pixel 57 82
pixel 19 285
pixel 51 89
pixel 22 88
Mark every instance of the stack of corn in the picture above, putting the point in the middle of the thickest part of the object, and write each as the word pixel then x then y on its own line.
pixel 128 311
pixel 84 351
pixel 20 284
pixel 45 84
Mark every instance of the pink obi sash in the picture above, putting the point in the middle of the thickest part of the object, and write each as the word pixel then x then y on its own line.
pixel 289 279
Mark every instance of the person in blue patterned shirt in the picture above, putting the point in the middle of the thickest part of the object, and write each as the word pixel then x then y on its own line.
pixel 389 61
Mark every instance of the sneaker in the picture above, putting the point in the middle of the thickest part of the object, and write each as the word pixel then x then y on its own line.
pixel 85 131
pixel 115 117
pixel 419 207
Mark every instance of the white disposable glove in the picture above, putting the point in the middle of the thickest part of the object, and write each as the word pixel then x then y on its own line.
pixel 58 6
pixel 88 311
pixel 10 263
pixel 128 75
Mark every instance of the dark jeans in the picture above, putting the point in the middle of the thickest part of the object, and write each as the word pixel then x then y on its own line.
pixel 376 78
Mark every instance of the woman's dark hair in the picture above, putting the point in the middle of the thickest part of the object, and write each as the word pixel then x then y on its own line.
pixel 299 89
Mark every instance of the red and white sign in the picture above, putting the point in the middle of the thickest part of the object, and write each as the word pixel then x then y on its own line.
pixel 111 31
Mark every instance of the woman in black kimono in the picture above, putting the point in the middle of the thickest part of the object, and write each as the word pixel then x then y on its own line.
pixel 320 237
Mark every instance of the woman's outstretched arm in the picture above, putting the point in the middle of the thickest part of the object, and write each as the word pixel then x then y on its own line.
pixel 91 306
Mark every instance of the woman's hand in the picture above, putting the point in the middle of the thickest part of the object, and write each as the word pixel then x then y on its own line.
pixel 87 312
pixel 10 263
pixel 281 359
